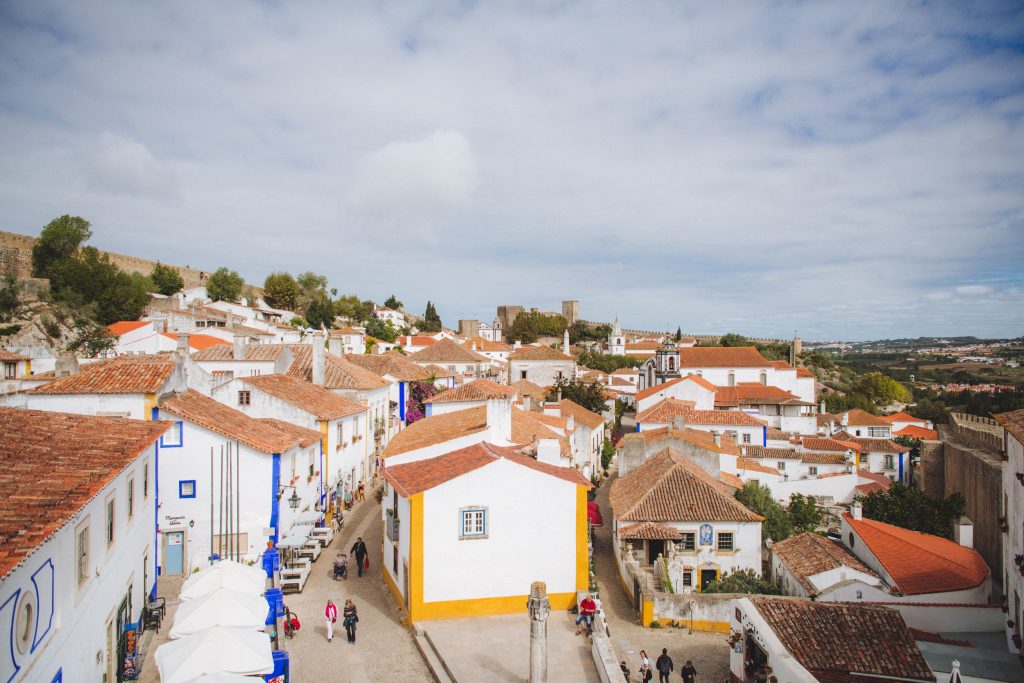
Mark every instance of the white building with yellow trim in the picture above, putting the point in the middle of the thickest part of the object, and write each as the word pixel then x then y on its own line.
pixel 459 540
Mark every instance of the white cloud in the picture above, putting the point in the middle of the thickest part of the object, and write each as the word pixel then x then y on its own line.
pixel 124 166
pixel 408 179
pixel 974 290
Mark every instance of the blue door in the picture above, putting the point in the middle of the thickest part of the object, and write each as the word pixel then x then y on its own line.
pixel 174 552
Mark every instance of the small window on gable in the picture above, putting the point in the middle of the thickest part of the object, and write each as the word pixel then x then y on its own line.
pixel 746 438
pixel 474 523
pixel 244 398
pixel 172 438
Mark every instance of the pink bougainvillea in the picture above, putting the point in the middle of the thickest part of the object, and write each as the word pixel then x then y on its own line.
pixel 418 393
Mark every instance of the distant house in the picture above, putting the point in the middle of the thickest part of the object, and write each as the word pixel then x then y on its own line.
pixel 16 367
pixel 346 340
pixel 466 364
pixel 541 365
pixel 396 369
pixel 812 566
pixel 468 395
pixel 736 424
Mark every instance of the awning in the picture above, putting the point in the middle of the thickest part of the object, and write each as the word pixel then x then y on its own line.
pixel 309 517
pixel 650 531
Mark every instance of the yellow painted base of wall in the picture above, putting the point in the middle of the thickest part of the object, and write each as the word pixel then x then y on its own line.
pixel 485 607
pixel 396 594
pixel 698 625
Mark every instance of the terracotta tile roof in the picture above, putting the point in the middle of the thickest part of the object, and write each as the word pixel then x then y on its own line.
pixel 730 479
pixel 1013 422
pixel 447 351
pixel 324 404
pixel 199 341
pixel 235 425
pixel 880 481
pixel 667 408
pixel 305 437
pixel 415 340
pixel 44 483
pixel 10 356
pixel 862 489
pixel 438 429
pixel 748 464
pixel 833 640
pixel 392 364
pixel 477 390
pixel 671 488
pixel 253 352
pixel 868 445
pixel 125 326
pixel 755 394
pixel 773 453
pixel 538 353
pixel 580 414
pixel 774 434
pixel 643 346
pixel 821 443
pixel 122 375
pixel 527 388
pixel 920 563
pixel 556 421
pixel 345 330
pixel 437 372
pixel 651 391
pixel 339 372
pixel 804 372
pixel 902 416
pixel 697 437
pixel 414 477
pixel 649 531
pixel 918 433
pixel 486 344
pixel 823 458
pixel 855 417
pixel 626 371
pixel 808 554
pixel 780 364
pixel 721 357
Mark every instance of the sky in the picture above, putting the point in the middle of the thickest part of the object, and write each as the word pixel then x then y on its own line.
pixel 839 170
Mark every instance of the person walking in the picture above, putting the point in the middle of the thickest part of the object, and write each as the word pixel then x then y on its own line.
pixel 330 616
pixel 664 666
pixel 688 672
pixel 360 552
pixel 349 620
pixel 646 670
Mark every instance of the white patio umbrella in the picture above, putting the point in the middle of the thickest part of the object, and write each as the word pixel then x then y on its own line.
pixel 228 574
pixel 215 650
pixel 309 517
pixel 224 678
pixel 220 608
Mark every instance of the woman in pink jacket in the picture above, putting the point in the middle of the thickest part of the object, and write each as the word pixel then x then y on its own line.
pixel 330 616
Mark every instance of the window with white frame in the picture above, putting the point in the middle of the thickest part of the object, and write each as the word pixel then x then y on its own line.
pixel 10 370
pixel 689 540
pixel 890 462
pixel 145 481
pixel 131 498
pixel 172 437
pixel 878 431
pixel 725 541
pixel 110 520
pixel 341 433
pixel 474 522
pixel 746 438
pixel 82 553
pixel 355 428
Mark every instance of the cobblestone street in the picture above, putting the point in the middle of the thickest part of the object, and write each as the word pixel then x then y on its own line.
pixel 384 651
pixel 709 651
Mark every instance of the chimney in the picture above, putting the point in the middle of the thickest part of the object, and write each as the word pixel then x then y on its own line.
pixel 831 427
pixel 528 403
pixel 183 344
pixel 548 451
pixel 499 419
pixel 67 364
pixel 238 347
pixel 517 344
pixel 845 420
pixel 718 439
pixel 678 422
pixel 821 406
pixel 963 532
pixel 565 341
pixel 857 510
pixel 335 346
pixel 319 359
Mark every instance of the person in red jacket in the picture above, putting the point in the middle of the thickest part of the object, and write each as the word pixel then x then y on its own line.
pixel 330 616
pixel 587 609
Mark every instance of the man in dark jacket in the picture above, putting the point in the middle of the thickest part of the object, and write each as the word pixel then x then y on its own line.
pixel 359 550
pixel 688 672
pixel 664 666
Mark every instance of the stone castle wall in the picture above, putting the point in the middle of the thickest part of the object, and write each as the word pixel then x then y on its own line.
pixel 16 252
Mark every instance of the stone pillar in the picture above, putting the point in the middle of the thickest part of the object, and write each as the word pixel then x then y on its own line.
pixel 539 607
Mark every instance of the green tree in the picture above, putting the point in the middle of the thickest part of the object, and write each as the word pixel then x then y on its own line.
pixel 882 389
pixel 606 362
pixel 590 396
pixel 733 339
pixel 804 514
pixel 280 290
pixel 349 306
pixel 431 320
pixel 745 581
pixel 528 326
pixel 907 507
pixel 912 444
pixel 776 525
pixel 312 286
pixel 320 312
pixel 382 329
pixel 224 285
pixel 93 340
pixel 838 403
pixel 166 280
pixel 679 334
pixel 57 242
pixel 10 295
pixel 581 332
pixel 607 453
pixel 393 303
pixel 90 280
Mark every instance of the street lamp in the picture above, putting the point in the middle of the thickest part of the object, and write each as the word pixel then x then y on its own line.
pixel 293 500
